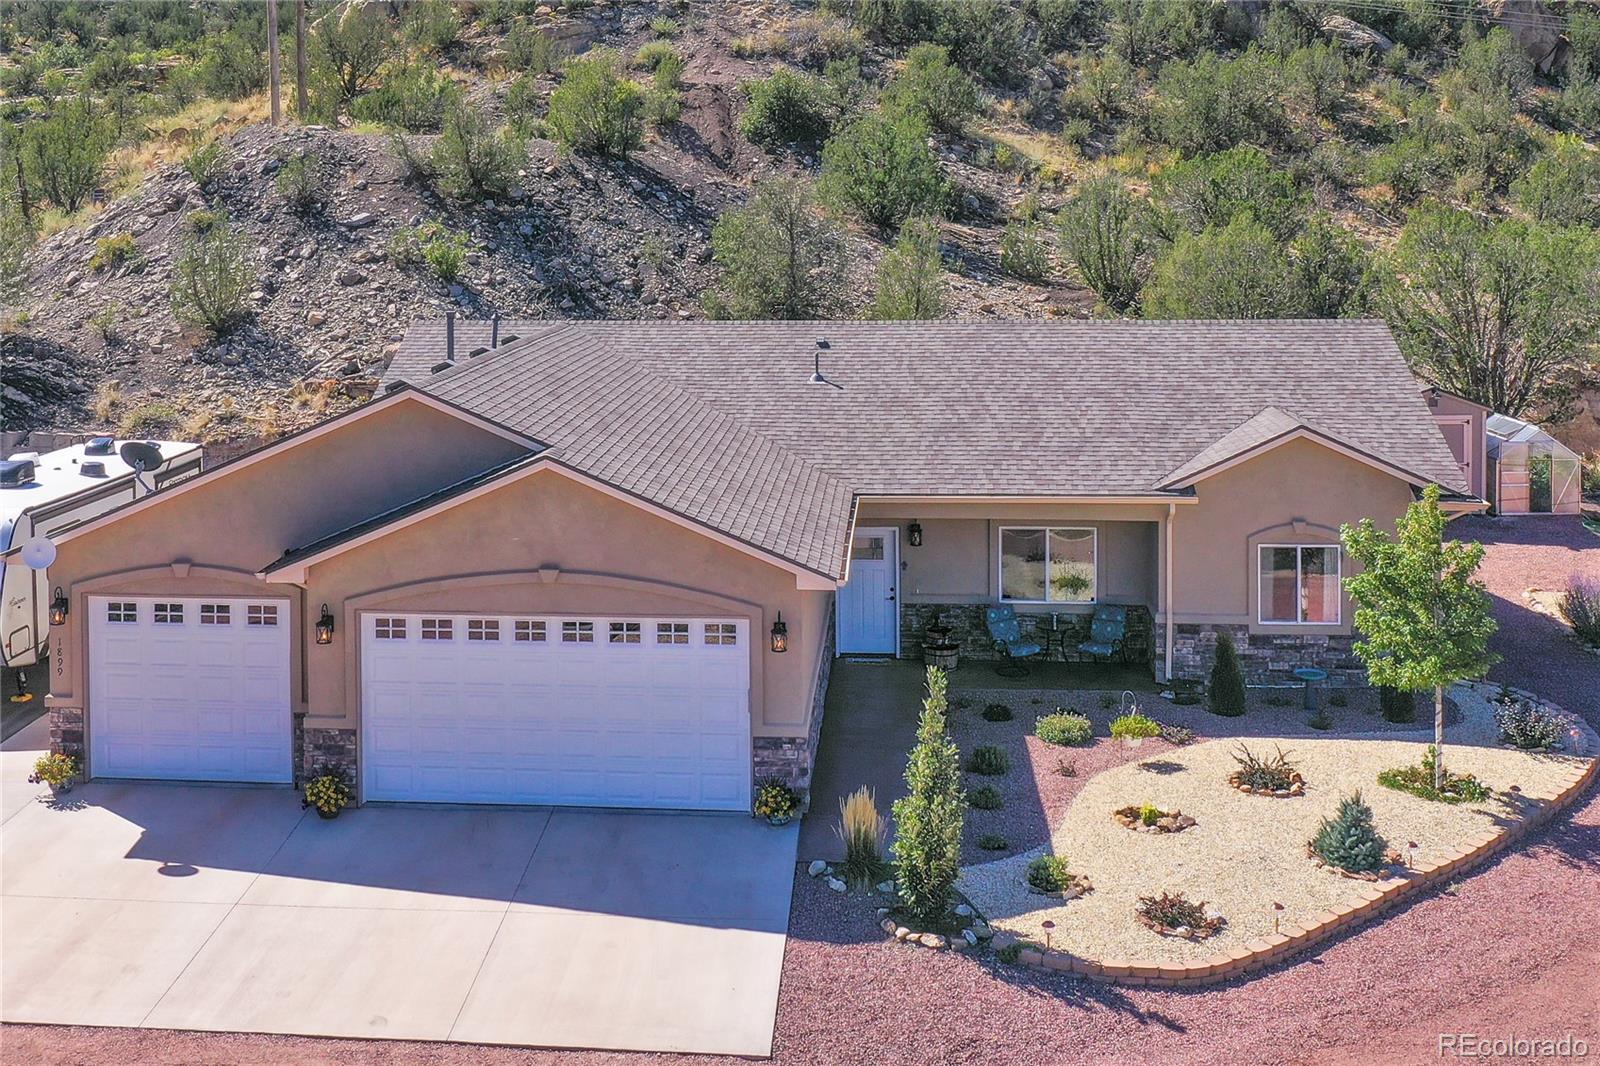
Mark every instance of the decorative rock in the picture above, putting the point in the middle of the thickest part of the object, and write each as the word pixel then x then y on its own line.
pixel 886 887
pixel 963 910
pixel 901 933
pixel 817 867
pixel 836 884
pixel 969 937
pixel 983 930
pixel 931 940
pixel 887 925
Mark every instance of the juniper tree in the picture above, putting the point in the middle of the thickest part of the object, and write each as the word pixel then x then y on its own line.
pixel 927 845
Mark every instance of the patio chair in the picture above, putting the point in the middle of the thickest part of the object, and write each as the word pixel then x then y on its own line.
pixel 1107 630
pixel 1006 632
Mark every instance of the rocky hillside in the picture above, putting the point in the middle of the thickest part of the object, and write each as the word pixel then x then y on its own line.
pixel 95 343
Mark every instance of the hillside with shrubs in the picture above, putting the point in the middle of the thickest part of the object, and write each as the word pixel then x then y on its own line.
pixel 171 262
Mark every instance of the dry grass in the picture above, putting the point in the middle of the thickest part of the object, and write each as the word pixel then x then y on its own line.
pixel 107 398
pixel 172 137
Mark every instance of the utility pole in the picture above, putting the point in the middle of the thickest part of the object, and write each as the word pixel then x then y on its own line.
pixel 273 58
pixel 300 59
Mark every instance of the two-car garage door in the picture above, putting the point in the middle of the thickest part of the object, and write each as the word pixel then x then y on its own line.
pixel 591 710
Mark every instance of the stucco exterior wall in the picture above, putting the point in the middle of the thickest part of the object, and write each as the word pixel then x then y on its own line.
pixel 213 537
pixel 547 544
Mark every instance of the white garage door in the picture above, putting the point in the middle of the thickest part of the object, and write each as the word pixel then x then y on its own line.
pixel 591 711
pixel 189 689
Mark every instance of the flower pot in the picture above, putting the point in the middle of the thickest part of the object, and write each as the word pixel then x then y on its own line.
pixel 62 789
pixel 326 814
pixel 779 819
pixel 1133 742
pixel 945 656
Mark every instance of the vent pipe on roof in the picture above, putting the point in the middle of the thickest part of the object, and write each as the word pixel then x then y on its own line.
pixel 449 336
pixel 494 331
pixel 817 376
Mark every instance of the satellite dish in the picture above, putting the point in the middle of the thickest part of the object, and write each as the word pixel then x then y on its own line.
pixel 140 456
pixel 39 553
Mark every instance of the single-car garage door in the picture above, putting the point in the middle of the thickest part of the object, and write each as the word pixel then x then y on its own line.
pixel 189 689
pixel 590 711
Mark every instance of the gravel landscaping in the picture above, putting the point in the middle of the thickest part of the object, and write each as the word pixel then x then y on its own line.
pixel 1247 852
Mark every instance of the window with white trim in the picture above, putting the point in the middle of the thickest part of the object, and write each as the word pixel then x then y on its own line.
pixel 169 614
pixel 529 631
pixel 261 614
pixel 120 611
pixel 216 614
pixel 389 628
pixel 624 632
pixel 577 632
pixel 485 629
pixel 1299 584
pixel 722 633
pixel 1048 564
pixel 672 632
pixel 438 629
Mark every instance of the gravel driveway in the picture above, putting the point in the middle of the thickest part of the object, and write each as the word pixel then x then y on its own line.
pixel 1381 995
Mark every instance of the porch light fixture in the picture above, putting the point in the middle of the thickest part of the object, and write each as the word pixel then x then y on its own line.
pixel 58 608
pixel 325 626
pixel 914 534
pixel 780 635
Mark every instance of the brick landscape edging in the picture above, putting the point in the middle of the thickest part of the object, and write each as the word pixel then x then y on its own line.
pixel 1291 939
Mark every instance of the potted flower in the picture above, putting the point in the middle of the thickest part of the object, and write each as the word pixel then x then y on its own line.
pixel 775 801
pixel 56 770
pixel 328 794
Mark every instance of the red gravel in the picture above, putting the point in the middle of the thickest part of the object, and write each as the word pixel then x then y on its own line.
pixel 1513 949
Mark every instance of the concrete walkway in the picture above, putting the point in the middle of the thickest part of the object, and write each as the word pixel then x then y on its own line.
pixel 230 909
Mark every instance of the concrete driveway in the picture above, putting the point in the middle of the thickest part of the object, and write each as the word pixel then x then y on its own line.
pixel 188 907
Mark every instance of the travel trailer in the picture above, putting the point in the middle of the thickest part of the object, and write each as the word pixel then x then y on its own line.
pixel 42 494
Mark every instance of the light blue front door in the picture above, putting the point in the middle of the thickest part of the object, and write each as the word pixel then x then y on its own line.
pixel 869 600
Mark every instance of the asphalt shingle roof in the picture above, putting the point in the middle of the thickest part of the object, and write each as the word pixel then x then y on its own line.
pixel 720 421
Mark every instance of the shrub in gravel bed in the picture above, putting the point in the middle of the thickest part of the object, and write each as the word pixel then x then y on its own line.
pixel 1418 780
pixel 1064 728
pixel 1134 727
pixel 1526 725
pixel 1265 774
pixel 1348 840
pixel 988 760
pixel 1580 604
pixel 1397 705
pixel 993 842
pixel 1174 914
pixel 1010 953
pixel 1048 873
pixel 997 712
pixel 928 819
pixel 1178 735
pixel 1150 818
pixel 986 798
pixel 863 831
pixel 1227 680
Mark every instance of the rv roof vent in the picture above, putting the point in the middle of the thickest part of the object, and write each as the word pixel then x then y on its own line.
pixel 24 457
pixel 100 446
pixel 92 468
pixel 14 473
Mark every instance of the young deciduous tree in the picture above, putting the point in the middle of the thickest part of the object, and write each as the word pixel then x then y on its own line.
pixel 927 845
pixel 1423 617
pixel 1503 313
pixel 780 256
pixel 911 277
pixel 1101 234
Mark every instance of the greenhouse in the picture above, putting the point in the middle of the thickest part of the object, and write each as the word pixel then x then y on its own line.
pixel 1530 472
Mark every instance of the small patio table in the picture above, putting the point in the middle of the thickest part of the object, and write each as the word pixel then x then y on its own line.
pixel 1311 676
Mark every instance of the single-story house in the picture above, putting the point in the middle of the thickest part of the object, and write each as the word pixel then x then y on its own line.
pixel 608 563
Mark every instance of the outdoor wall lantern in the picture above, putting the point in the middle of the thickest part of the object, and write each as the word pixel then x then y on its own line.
pixel 914 534
pixel 58 608
pixel 325 626
pixel 780 635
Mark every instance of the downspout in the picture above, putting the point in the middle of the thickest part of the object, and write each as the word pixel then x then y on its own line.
pixel 1172 512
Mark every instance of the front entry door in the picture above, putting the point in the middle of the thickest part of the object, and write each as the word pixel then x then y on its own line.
pixel 869 602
